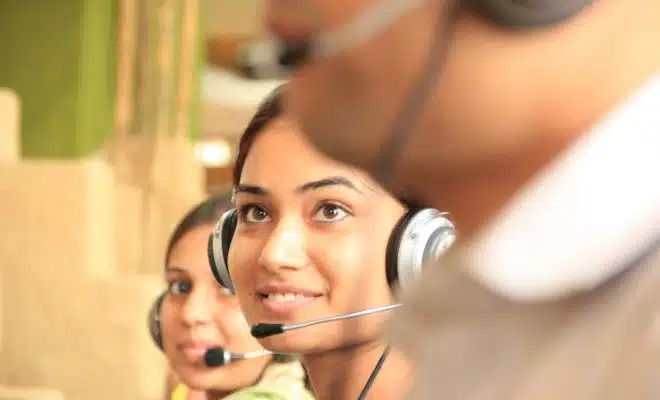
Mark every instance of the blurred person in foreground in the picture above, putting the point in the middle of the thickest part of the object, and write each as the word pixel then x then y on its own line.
pixel 537 125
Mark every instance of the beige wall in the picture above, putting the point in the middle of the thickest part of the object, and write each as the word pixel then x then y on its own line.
pixel 9 111
pixel 75 283
pixel 232 17
pixel 31 393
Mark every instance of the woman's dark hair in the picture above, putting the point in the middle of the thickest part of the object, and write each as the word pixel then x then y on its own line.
pixel 268 110
pixel 205 213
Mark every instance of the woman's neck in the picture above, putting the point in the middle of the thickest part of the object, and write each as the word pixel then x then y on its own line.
pixel 342 374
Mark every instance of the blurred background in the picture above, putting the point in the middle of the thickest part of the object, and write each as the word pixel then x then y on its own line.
pixel 116 116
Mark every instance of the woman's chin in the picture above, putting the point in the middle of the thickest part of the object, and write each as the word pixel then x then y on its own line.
pixel 280 345
pixel 204 378
pixel 223 379
pixel 295 343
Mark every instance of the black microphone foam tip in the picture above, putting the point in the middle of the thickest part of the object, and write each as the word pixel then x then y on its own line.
pixel 264 330
pixel 216 357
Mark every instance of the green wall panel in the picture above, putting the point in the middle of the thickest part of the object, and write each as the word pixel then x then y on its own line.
pixel 196 95
pixel 60 58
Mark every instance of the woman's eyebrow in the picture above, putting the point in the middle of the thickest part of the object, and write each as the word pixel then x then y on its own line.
pixel 330 181
pixel 305 187
pixel 250 189
pixel 174 268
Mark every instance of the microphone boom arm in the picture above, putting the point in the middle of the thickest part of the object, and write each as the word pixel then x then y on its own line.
pixel 246 356
pixel 341 317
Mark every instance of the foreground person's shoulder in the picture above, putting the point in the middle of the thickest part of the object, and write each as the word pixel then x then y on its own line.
pixel 469 343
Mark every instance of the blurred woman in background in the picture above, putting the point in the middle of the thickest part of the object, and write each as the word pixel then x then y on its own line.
pixel 195 314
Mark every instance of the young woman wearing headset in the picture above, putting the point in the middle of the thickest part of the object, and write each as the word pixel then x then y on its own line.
pixel 312 238
pixel 194 315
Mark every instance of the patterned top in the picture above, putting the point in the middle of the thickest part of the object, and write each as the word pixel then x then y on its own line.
pixel 280 381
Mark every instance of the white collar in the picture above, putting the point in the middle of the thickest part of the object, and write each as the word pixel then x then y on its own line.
pixel 587 215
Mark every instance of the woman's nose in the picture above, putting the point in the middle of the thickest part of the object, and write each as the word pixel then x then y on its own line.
pixel 285 247
pixel 198 307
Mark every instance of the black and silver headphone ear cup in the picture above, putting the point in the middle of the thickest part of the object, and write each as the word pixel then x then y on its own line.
pixel 527 14
pixel 421 236
pixel 392 251
pixel 218 248
pixel 210 246
pixel 155 330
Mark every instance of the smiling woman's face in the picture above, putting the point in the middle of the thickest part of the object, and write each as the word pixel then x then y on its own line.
pixel 197 314
pixel 310 242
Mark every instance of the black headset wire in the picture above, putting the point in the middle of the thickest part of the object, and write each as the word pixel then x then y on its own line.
pixel 418 95
pixel 374 373
pixel 405 120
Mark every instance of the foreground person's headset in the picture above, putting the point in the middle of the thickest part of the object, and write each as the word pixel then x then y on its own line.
pixel 271 58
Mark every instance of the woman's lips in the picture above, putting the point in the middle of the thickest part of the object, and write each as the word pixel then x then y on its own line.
pixel 194 351
pixel 285 305
pixel 282 300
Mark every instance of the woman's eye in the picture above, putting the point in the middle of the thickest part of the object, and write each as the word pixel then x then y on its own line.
pixel 180 287
pixel 331 213
pixel 254 214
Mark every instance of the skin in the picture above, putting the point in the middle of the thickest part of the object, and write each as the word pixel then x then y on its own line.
pixel 198 311
pixel 310 224
pixel 506 103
